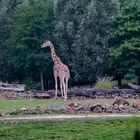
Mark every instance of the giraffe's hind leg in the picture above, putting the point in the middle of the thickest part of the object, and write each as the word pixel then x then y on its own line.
pixel 62 86
pixel 62 79
pixel 66 85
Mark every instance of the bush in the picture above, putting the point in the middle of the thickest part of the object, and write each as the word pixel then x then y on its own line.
pixel 130 77
pixel 105 83
pixel 30 84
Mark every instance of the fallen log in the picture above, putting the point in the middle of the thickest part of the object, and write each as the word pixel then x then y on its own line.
pixel 41 96
pixel 136 87
pixel 105 93
pixel 94 93
pixel 12 87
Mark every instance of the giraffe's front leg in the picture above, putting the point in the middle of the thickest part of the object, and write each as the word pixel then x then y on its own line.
pixel 61 88
pixel 56 85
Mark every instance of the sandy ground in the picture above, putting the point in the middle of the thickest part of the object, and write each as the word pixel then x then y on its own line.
pixel 62 117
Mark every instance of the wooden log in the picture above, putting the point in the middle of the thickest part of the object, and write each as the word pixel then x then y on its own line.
pixel 136 87
pixel 41 96
pixel 93 93
pixel 12 87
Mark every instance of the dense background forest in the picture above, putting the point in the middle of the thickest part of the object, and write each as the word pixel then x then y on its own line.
pixel 93 37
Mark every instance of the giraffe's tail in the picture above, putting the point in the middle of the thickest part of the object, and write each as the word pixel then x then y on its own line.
pixel 69 77
pixel 70 82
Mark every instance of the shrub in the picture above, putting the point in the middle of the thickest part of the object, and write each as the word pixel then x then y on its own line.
pixel 129 77
pixel 30 84
pixel 15 112
pixel 105 82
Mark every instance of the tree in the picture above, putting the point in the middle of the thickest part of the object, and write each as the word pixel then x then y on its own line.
pixel 125 41
pixel 7 12
pixel 81 32
pixel 33 23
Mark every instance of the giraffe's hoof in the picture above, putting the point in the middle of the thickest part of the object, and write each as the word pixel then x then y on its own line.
pixel 55 98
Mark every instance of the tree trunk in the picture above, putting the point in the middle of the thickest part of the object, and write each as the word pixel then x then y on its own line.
pixel 46 84
pixel 119 82
pixel 138 79
pixel 42 81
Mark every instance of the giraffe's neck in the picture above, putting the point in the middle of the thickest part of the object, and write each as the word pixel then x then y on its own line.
pixel 55 58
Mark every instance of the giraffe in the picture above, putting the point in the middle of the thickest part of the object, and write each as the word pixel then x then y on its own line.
pixel 61 71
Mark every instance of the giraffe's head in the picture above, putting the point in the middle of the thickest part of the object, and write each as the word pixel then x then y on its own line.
pixel 47 43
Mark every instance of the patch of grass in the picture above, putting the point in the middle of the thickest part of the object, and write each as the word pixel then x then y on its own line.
pixel 18 104
pixel 114 129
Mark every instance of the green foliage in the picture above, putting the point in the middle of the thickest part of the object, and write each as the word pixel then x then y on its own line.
pixel 30 24
pixel 79 28
pixel 15 112
pixel 30 84
pixel 125 40
pixel 105 83
pixel 81 32
pixel 129 77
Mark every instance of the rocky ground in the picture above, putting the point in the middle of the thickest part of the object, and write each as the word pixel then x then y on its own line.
pixel 118 106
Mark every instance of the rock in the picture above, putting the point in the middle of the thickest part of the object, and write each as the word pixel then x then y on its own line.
pixel 136 105
pixel 28 111
pixel 39 110
pixel 120 101
pixel 79 108
pixel 71 104
pixel 108 108
pixel 74 107
pixel 71 110
pixel 96 108
pixel 86 108
pixel 48 111
pixel 109 111
pixel 122 108
pixel 1 114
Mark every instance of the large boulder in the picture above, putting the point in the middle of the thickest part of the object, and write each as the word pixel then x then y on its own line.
pixel 97 108
pixel 73 107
